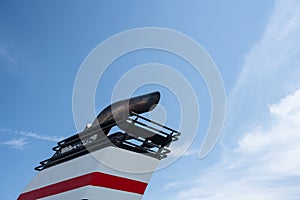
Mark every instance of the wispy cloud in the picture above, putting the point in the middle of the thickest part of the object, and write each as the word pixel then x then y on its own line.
pixel 15 143
pixel 262 137
pixel 182 150
pixel 33 135
pixel 265 165
pixel 271 69
pixel 170 185
pixel 7 57
pixel 8 61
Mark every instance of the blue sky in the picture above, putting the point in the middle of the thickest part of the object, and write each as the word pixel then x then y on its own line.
pixel 255 45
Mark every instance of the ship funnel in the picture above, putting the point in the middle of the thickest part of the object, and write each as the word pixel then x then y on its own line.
pixel 116 166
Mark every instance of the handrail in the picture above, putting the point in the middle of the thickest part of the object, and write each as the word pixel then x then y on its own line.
pixel 153 122
pixel 154 145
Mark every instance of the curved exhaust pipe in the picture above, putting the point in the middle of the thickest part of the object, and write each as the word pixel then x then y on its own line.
pixel 140 104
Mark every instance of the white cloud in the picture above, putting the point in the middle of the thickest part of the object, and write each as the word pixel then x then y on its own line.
pixel 277 146
pixel 39 136
pixel 170 185
pixel 182 149
pixel 271 69
pixel 33 135
pixel 8 61
pixel 262 157
pixel 288 107
pixel 5 56
pixel 265 165
pixel 15 143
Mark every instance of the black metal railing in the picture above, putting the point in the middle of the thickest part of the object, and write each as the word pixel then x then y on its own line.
pixel 140 135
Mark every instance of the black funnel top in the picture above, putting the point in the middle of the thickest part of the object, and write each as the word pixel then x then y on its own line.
pixel 140 104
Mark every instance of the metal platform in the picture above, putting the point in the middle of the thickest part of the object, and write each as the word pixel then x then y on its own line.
pixel 138 134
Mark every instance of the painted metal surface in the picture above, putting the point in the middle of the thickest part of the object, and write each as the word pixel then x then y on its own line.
pixel 113 176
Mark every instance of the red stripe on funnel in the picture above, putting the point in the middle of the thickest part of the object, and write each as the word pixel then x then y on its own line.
pixel 92 179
